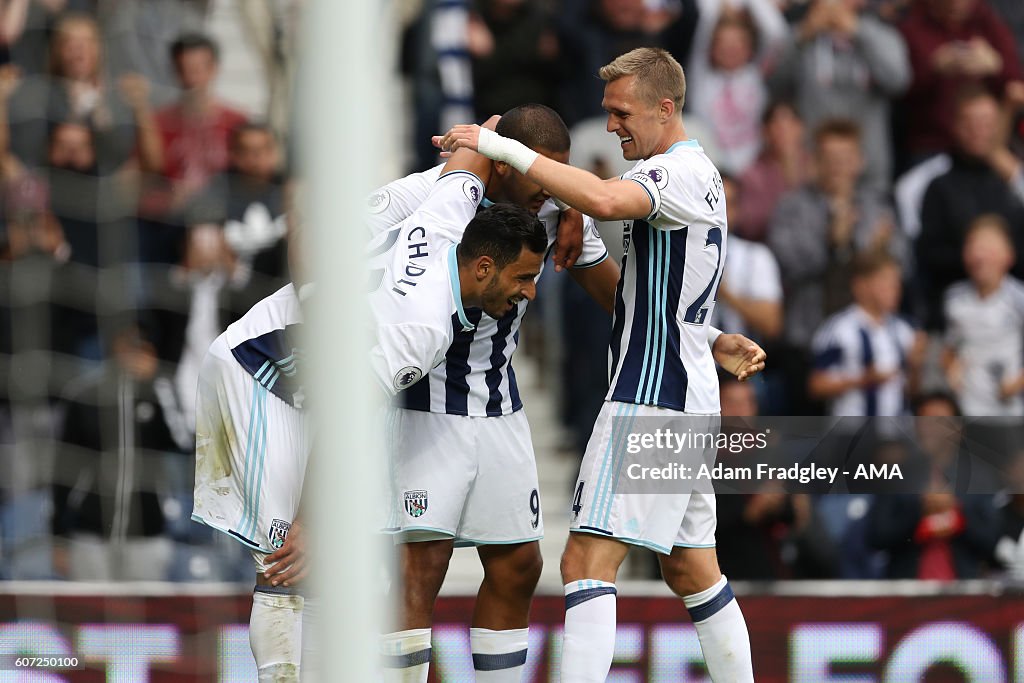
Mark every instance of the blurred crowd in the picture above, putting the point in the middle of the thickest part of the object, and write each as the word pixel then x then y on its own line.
pixel 872 158
pixel 141 212
pixel 871 152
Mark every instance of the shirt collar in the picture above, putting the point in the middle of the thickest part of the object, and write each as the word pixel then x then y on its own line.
pixel 453 276
pixel 692 143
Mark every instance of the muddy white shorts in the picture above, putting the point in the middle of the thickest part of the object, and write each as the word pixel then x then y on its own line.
pixel 251 453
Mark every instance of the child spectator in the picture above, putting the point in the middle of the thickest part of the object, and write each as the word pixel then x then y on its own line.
pixel 985 325
pixel 866 358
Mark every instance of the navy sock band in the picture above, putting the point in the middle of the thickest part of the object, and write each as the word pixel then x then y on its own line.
pixel 712 606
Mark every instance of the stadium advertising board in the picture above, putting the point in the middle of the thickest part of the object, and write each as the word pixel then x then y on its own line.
pixel 972 638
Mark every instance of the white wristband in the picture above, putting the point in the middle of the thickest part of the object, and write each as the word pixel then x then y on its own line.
pixel 512 152
pixel 713 334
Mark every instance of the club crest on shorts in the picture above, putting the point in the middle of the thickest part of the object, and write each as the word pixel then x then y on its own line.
pixel 278 532
pixel 416 503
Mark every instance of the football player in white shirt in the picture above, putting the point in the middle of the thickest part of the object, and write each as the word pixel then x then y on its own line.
pixel 422 280
pixel 465 468
pixel 660 361
pixel 252 446
pixel 431 290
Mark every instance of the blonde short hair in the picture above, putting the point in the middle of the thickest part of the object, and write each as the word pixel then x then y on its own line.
pixel 658 75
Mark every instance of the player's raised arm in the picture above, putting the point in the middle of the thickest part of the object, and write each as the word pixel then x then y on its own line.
pixel 603 199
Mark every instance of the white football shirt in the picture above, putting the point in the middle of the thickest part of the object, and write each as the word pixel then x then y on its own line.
pixel 673 260
pixel 476 377
pixel 415 297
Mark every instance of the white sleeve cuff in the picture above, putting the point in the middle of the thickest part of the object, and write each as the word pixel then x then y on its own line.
pixel 713 334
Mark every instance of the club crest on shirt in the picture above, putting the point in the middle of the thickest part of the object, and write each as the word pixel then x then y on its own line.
pixel 406 377
pixel 415 503
pixel 472 191
pixel 278 532
pixel 378 201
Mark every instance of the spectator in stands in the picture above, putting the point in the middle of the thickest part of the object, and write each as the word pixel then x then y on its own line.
pixel 91 212
pixel 194 134
pixel 26 27
pixel 188 304
pixel 985 325
pixel 248 204
pixel 867 360
pixel 591 34
pixel 940 534
pixel 768 534
pixel 816 232
pixel 725 83
pixel 750 290
pixel 952 43
pixel 845 62
pixel 117 428
pixel 985 177
pixel 138 33
pixel 75 90
pixel 783 165
pixel 515 51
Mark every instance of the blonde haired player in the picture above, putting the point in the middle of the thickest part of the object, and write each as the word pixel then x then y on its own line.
pixel 660 361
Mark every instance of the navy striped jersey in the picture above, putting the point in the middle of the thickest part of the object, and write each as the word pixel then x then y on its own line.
pixel 848 344
pixel 673 261
pixel 265 342
pixel 476 377
pixel 415 294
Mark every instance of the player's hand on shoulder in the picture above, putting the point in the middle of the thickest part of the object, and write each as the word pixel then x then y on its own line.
pixel 287 565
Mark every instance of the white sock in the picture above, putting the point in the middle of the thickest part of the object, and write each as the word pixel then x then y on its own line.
pixel 406 655
pixel 589 642
pixel 275 636
pixel 722 633
pixel 499 656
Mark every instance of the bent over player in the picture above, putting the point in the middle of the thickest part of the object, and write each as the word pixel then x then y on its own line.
pixel 252 447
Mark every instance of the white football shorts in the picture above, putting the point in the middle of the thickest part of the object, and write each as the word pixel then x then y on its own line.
pixel 615 496
pixel 473 479
pixel 251 453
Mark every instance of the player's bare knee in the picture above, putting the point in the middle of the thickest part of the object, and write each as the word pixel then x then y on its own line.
pixel 690 570
pixel 576 562
pixel 515 570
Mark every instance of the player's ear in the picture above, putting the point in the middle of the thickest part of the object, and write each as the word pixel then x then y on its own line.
pixel 485 267
pixel 502 168
pixel 667 109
